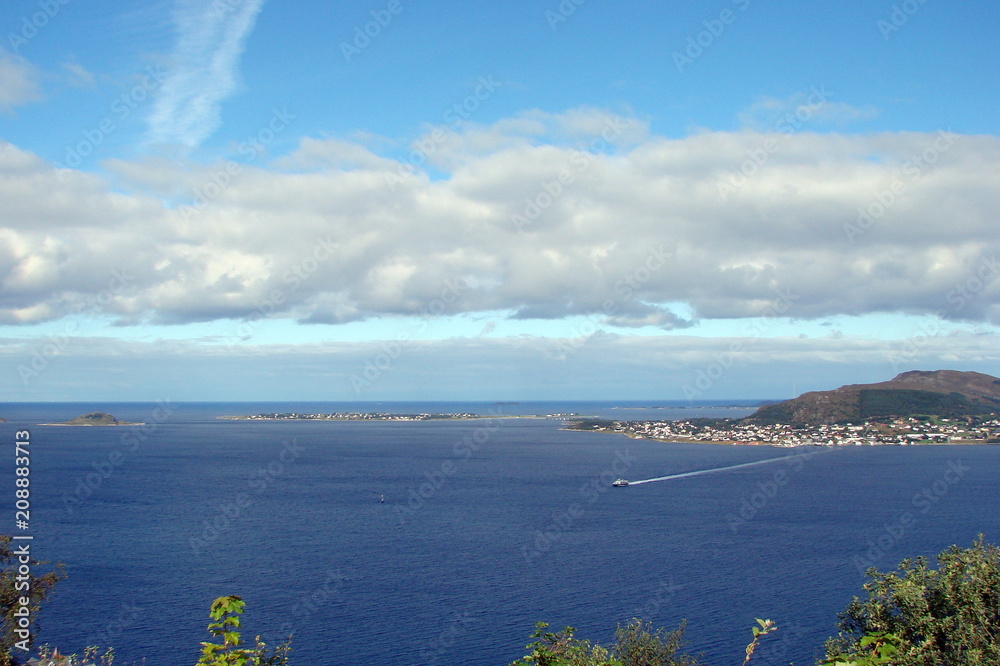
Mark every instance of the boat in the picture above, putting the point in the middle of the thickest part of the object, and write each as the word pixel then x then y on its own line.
pixel 620 483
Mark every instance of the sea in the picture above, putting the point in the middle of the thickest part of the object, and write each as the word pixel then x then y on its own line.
pixel 444 542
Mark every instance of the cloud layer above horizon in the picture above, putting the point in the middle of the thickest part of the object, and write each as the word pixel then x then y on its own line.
pixel 539 216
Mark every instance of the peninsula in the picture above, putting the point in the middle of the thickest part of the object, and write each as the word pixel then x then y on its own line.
pixel 919 407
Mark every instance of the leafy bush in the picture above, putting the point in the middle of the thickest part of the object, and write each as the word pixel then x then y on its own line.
pixel 562 649
pixel 11 590
pixel 226 612
pixel 949 615
pixel 638 644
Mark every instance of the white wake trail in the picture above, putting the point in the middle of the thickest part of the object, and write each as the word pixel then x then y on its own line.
pixel 707 471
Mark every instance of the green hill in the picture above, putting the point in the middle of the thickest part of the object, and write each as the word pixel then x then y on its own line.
pixel 947 393
pixel 95 419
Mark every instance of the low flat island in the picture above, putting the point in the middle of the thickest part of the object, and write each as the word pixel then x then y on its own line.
pixel 386 416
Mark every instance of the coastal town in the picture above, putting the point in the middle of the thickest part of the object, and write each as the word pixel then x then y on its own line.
pixel 353 416
pixel 876 432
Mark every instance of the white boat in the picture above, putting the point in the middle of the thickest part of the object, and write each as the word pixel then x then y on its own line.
pixel 620 483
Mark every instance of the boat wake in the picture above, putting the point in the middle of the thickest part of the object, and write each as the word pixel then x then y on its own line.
pixel 708 471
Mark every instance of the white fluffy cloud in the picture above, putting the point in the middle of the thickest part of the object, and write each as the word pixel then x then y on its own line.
pixel 540 216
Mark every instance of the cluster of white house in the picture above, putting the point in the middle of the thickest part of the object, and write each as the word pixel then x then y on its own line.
pixel 357 416
pixel 898 432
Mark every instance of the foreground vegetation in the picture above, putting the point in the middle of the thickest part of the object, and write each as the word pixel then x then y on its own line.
pixel 913 616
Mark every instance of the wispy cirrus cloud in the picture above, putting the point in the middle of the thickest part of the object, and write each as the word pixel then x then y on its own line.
pixel 18 81
pixel 203 69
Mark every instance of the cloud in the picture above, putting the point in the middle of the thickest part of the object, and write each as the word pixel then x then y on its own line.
pixel 593 367
pixel 18 82
pixel 78 76
pixel 817 106
pixel 823 225
pixel 203 69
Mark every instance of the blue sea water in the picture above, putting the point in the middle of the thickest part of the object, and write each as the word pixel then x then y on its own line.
pixel 487 527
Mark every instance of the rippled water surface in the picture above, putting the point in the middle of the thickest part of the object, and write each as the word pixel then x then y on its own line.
pixel 486 527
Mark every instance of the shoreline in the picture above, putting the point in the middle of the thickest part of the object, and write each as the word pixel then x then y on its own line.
pixel 403 418
pixel 90 425
pixel 680 439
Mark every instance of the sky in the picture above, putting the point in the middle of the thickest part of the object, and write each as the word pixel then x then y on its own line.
pixel 399 200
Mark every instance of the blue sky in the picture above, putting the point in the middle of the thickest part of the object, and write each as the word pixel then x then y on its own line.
pixel 229 199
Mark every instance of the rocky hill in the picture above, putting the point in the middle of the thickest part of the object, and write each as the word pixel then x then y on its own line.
pixel 941 392
pixel 95 419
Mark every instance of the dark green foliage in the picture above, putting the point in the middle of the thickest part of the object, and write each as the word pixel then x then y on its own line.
pixel 709 422
pixel 904 402
pixel 39 588
pixel 96 418
pixel 563 649
pixel 638 644
pixel 877 649
pixel 949 615
pixel 782 412
pixel 590 424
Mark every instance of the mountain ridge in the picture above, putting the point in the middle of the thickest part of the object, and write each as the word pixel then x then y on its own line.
pixel 940 392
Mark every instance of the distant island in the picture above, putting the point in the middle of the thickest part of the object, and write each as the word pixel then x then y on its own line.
pixel 93 419
pixel 351 416
pixel 383 416
pixel 919 407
